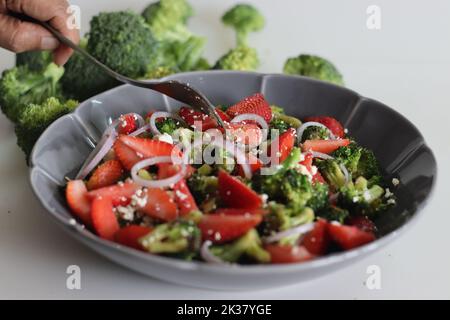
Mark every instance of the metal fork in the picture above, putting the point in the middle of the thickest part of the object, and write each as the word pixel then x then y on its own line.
pixel 177 90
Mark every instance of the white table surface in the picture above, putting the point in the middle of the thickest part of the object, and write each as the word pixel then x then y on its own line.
pixel 406 65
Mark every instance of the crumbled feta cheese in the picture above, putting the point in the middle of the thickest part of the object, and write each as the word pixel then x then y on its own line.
pixel 355 199
pixel 302 157
pixel 303 170
pixel 391 201
pixel 264 197
pixel 138 201
pixel 165 137
pixel 345 130
pixel 395 182
pixel 387 193
pixel 367 195
pixel 314 170
pixel 181 195
pixel 126 213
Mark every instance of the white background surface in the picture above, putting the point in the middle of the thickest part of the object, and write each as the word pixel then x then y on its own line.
pixel 406 65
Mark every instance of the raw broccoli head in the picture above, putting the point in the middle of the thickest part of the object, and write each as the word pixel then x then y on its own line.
pixel 34 60
pixel 36 118
pixel 174 238
pixel 202 64
pixel 19 87
pixel 314 67
pixel 279 124
pixel 315 133
pixel 333 213
pixel 168 18
pixel 187 54
pixel 249 245
pixel 242 58
pixel 243 18
pixel 332 173
pixel 123 41
pixel 363 198
pixel 359 161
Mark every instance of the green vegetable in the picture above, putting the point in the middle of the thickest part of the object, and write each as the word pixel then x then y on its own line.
pixel 314 67
pixel 333 213
pixel 359 161
pixel 123 41
pixel 319 196
pixel 19 87
pixel 280 125
pixel 332 172
pixel 34 60
pixel 315 133
pixel 282 217
pixel 202 187
pixel 243 19
pixel 249 245
pixel 292 121
pixel 36 118
pixel 167 125
pixel 177 237
pixel 362 198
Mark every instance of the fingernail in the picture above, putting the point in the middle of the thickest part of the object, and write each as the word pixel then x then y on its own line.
pixel 49 43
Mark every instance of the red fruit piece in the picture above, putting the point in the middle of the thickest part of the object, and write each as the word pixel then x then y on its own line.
pixel 286 142
pixel 245 133
pixel 308 163
pixel 106 174
pixel 317 240
pixel 103 218
pixel 129 236
pixel 255 104
pixel 236 194
pixel 325 146
pixel 288 254
pixel 363 223
pixel 331 123
pixel 238 212
pixel 130 150
pixel 349 237
pixel 159 205
pixel 79 203
pixel 196 118
pixel 220 228
pixel 120 194
pixel 127 124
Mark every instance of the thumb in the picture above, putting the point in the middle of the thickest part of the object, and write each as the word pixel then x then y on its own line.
pixel 19 36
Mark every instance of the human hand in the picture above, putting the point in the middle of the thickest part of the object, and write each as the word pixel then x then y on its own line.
pixel 19 36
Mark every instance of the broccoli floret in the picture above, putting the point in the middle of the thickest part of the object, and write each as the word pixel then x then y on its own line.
pixel 332 173
pixel 286 184
pixel 202 64
pixel 292 121
pixel 319 197
pixel 123 41
pixel 36 118
pixel 243 18
pixel 280 125
pixel 363 198
pixel 249 245
pixel 34 60
pixel 187 54
pixel 359 161
pixel 333 213
pixel 242 58
pixel 177 237
pixel 282 217
pixel 202 187
pixel 315 133
pixel 349 156
pixel 314 67
pixel 368 166
pixel 167 125
pixel 20 87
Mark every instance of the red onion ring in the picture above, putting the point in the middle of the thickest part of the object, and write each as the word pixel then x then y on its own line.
pixel 207 255
pixel 305 125
pixel 302 229
pixel 160 114
pixel 162 183
pixel 140 130
pixel 321 155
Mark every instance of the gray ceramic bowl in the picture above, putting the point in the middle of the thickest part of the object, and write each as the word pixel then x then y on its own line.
pixel 396 142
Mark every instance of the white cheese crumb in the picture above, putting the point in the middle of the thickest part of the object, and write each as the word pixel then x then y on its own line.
pixel 387 193
pixel 303 170
pixel 395 182
pixel 391 201
pixel 181 195
pixel 126 213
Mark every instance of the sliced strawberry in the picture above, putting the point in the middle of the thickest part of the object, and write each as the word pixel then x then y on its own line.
pixel 284 146
pixel 240 212
pixel 308 163
pixel 79 203
pixel 159 205
pixel 245 133
pixel 255 104
pixel 349 237
pixel 120 194
pixel 130 150
pixel 324 146
pixel 103 218
pixel 166 170
pixel 331 123
pixel 362 222
pixel 318 178
pixel 129 236
pixel 236 194
pixel 127 124
pixel 317 240
pixel 220 228
pixel 288 254
pixel 194 118
pixel 106 174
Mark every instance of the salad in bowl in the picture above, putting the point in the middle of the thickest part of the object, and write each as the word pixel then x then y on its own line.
pixel 267 188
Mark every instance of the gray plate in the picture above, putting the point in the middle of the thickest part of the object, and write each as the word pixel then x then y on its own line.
pixel 396 142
